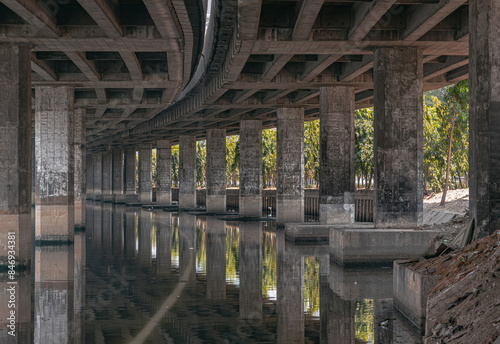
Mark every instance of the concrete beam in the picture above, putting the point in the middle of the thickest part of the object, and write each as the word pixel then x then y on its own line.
pixel 307 16
pixel 43 69
pixel 248 19
pixel 366 16
pixel 104 16
pixel 312 69
pixel 41 17
pixel 452 62
pixel 88 68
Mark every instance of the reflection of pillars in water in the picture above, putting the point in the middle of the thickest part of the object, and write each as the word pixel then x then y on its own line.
pixel 290 294
pixel 97 230
pixel 336 315
pixel 54 282
pixel 145 237
pixel 130 230
pixel 187 247
pixel 251 271
pixel 216 259
pixel 324 289
pixel 163 221
pixel 118 230
pixel 107 224
pixel 383 323
pixel 79 284
pixel 23 327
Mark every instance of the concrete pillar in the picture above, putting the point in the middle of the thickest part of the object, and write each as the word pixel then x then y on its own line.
pixel 97 176
pixel 130 232
pixel 80 263
pixel 336 157
pixel 107 176
pixel 290 165
pixel 163 242
pixel 118 184
pixel 290 294
pixel 164 172
pixel 54 199
pixel 107 229
pixel 145 237
pixel 15 151
pixel 187 171
pixel 130 163
pixel 145 174
pixel 484 114
pixel 118 221
pixel 97 227
pixel 89 176
pixel 80 151
pixel 398 146
pixel 216 170
pixel 251 168
pixel 251 272
pixel 187 247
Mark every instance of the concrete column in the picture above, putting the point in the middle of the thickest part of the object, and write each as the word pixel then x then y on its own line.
pixel 130 232
pixel 130 163
pixel 107 176
pixel 107 229
pixel 145 174
pixel 118 184
pixel 187 171
pixel 215 236
pixel 80 151
pixel 251 271
pixel 163 242
pixel 118 221
pixel 484 114
pixel 251 168
pixel 336 158
pixel 216 170
pixel 54 199
pixel 290 165
pixel 164 172
pixel 80 262
pixel 290 294
pixel 15 151
pixel 97 227
pixel 97 176
pixel 398 146
pixel 89 176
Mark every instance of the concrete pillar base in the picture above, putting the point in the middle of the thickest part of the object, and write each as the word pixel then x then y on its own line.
pixel 145 197
pixel 251 206
pixel 20 225
pixel 80 214
pixel 98 197
pixel 120 198
pixel 187 201
pixel 163 197
pixel 339 210
pixel 54 222
pixel 216 203
pixel 107 198
pixel 132 198
pixel 289 210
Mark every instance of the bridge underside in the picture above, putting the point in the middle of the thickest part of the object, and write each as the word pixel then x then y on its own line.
pixel 110 78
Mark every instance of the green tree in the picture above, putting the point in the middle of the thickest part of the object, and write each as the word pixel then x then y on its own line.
pixel 311 153
pixel 269 158
pixel 232 160
pixel 175 165
pixel 363 146
pixel 201 163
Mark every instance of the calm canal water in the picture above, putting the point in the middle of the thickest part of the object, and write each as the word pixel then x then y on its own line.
pixel 143 276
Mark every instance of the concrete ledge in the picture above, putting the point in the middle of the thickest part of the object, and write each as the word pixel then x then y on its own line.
pixel 98 197
pixel 352 246
pixel 120 198
pixel 314 232
pixel 410 289
pixel 108 198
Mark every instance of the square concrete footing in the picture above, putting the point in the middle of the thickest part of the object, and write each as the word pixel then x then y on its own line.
pixel 355 246
pixel 98 197
pixel 410 292
pixel 314 232
pixel 108 198
pixel 132 199
pixel 120 198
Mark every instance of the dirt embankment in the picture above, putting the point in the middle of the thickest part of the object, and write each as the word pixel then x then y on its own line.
pixel 464 306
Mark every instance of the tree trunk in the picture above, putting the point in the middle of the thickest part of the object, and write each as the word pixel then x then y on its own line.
pixel 443 199
pixel 460 179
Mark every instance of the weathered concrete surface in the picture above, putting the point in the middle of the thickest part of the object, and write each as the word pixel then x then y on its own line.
pixel 216 170
pixel 215 237
pixel 80 156
pixel 187 172
pixel 410 292
pixel 164 172
pixel 54 144
pixel 145 237
pixel 118 226
pixel 250 270
pixel 290 165
pixel 290 294
pixel 251 168
pixel 107 176
pixel 398 136
pixel 484 98
pixel 97 176
pixel 313 232
pixel 118 172
pixel 15 156
pixel 351 246
pixel 130 163
pixel 187 247
pixel 130 230
pixel 336 155
pixel 89 177
pixel 24 325
pixel 145 174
